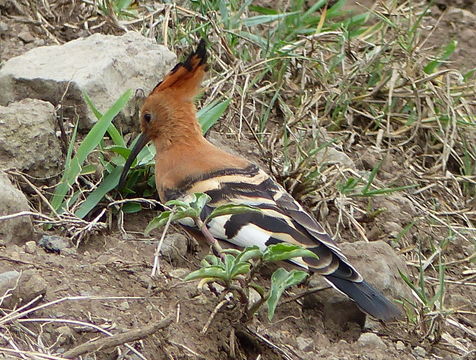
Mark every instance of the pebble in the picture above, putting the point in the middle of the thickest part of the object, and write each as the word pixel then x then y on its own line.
pixel 174 247
pixel 23 287
pixel 304 344
pixel 179 273
pixel 400 346
pixel 419 351
pixel 371 340
pixel 30 247
pixel 65 335
pixel 3 28
pixel 123 306
pixel 54 243
pixel 26 37
pixel 69 251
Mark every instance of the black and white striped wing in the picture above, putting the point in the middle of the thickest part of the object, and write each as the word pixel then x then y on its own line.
pixel 281 219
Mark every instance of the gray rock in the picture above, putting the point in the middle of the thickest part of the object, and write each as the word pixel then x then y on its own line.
pixel 54 243
pixel 400 346
pixel 21 287
pixel 333 156
pixel 419 351
pixel 20 229
pixel 26 36
pixel 65 335
pixel 378 264
pixel 371 340
pixel 179 273
pixel 103 66
pixel 27 138
pixel 392 229
pixel 174 248
pixel 3 28
pixel 398 206
pixel 304 344
pixel 30 247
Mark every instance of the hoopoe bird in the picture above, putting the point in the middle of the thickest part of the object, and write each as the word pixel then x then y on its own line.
pixel 187 163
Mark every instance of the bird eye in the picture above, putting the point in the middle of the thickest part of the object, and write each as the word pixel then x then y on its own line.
pixel 147 117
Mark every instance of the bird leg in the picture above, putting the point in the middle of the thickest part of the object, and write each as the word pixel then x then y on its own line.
pixel 212 241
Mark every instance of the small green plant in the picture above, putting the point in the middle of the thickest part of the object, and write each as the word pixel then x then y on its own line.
pixel 351 188
pixel 429 310
pixel 120 9
pixel 63 198
pixel 233 269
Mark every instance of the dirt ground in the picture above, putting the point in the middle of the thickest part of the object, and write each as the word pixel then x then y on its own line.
pixel 105 284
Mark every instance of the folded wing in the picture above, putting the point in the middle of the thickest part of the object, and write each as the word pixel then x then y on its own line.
pixel 281 219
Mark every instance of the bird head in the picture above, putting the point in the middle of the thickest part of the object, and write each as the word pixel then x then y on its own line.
pixel 169 107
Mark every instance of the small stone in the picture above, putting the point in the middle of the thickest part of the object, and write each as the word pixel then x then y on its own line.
pixel 304 344
pixel 26 37
pixel 419 351
pixel 71 251
pixel 400 346
pixel 30 247
pixel 17 230
pixel 65 335
pixel 22 287
pixel 174 248
pixel 123 306
pixel 54 243
pixel 179 273
pixel 371 340
pixel 392 229
pixel 3 28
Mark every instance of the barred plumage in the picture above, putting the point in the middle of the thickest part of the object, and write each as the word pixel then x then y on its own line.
pixel 186 163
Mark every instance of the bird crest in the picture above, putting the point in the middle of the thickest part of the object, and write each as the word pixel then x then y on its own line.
pixel 185 77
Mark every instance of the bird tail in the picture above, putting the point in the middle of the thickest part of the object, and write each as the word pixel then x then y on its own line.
pixel 367 298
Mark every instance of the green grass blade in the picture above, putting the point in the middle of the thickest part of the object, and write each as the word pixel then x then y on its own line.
pixel 108 184
pixel 209 115
pixel 90 142
pixel 448 50
pixel 112 130
pixel 263 19
pixel 62 188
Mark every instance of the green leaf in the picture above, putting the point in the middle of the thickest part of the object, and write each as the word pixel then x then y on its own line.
pixel 249 253
pixel 262 19
pixel 163 218
pixel 234 252
pixel 262 10
pixel 90 104
pixel 285 251
pixel 214 272
pixel 209 115
pixel 280 281
pixel 121 150
pixel 179 203
pixel 240 268
pixel 112 130
pixel 131 208
pixel 88 169
pixel 199 201
pixel 158 221
pixel 230 209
